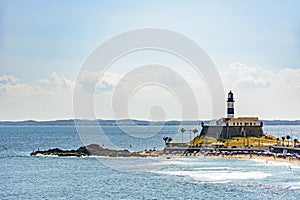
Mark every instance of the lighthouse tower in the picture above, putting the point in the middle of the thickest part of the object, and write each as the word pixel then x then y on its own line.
pixel 230 105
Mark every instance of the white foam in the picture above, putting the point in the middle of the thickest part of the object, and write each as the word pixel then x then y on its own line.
pixel 210 168
pixel 42 155
pixel 292 185
pixel 177 161
pixel 277 163
pixel 218 176
pixel 168 162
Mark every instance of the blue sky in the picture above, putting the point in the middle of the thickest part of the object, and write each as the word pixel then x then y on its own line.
pixel 39 38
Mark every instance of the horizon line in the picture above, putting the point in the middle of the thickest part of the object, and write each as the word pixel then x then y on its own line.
pixel 169 120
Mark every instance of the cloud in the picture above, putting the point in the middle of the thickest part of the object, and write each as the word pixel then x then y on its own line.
pixel 246 77
pixel 258 92
pixel 242 76
pixel 48 99
pixel 291 76
pixel 108 81
pixel 57 83
pixel 10 86
pixel 264 93
pixel 99 81
pixel 7 80
pixel 252 82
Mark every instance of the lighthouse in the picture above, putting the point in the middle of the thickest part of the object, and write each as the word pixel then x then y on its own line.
pixel 230 105
pixel 230 126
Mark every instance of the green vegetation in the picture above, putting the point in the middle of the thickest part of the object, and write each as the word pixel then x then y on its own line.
pixel 167 140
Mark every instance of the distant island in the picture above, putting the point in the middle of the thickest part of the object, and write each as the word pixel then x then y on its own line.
pixel 126 122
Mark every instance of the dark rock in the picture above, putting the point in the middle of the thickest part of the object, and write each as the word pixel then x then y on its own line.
pixel 92 149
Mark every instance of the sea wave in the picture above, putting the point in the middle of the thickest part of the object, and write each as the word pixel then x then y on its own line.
pixel 292 185
pixel 290 165
pixel 217 176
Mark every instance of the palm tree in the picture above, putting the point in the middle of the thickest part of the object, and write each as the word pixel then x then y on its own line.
pixel 165 139
pixel 169 140
pixel 288 139
pixel 182 131
pixel 295 142
pixel 283 138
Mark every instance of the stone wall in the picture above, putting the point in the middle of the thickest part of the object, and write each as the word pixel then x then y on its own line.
pixel 226 132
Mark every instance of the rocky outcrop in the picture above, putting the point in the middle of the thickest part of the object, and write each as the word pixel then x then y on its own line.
pixel 89 150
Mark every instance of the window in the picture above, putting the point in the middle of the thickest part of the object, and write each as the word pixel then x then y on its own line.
pixel 250 123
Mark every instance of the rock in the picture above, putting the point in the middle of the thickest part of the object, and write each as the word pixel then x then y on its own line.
pixel 89 150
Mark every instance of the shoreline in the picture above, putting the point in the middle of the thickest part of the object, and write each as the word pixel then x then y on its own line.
pixel 288 159
pixel 167 156
pixel 262 159
pixel 240 156
pixel 97 150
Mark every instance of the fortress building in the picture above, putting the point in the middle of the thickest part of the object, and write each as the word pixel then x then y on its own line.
pixel 230 126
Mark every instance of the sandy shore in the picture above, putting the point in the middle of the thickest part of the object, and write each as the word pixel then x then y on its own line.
pixel 234 156
pixel 248 156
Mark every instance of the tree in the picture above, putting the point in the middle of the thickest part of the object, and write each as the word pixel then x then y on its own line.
pixel 295 142
pixel 182 131
pixel 288 139
pixel 283 138
pixel 165 139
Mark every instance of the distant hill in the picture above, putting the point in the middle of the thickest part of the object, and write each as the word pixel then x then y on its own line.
pixel 281 122
pixel 125 122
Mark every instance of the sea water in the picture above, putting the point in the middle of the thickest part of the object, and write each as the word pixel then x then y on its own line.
pixel 49 177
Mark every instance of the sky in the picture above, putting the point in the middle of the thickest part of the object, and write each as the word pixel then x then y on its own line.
pixel 254 45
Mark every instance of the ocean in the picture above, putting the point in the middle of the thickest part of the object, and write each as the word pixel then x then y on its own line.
pixel 49 177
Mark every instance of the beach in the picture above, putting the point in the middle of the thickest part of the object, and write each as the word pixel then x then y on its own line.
pixel 230 156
